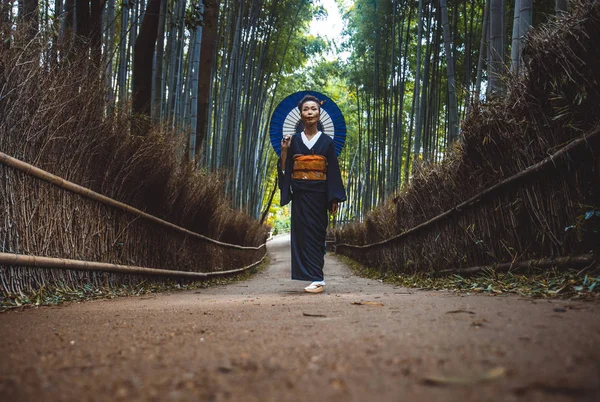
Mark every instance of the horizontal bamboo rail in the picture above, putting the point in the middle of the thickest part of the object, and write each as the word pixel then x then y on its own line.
pixel 594 135
pixel 8 259
pixel 86 192
pixel 575 261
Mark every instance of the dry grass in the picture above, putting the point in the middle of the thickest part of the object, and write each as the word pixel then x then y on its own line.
pixel 554 102
pixel 562 284
pixel 55 295
pixel 54 116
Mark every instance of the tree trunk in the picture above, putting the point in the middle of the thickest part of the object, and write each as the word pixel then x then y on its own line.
pixel 525 21
pixel 109 41
pixel 188 77
pixel 496 67
pixel 178 72
pixel 29 16
pixel 515 49
pixel 173 51
pixel 5 37
pixel 82 18
pixel 401 100
pixel 158 86
pixel 123 59
pixel 170 58
pixel 482 48
pixel 469 34
pixel 142 61
pixel 417 114
pixel 427 80
pixel 97 7
pixel 68 19
pixel 452 107
pixel 205 69
pixel 194 88
pixel 133 31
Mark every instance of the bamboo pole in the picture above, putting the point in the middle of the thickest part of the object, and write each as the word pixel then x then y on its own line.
pixel 578 260
pixel 86 192
pixel 8 259
pixel 549 161
pixel 266 211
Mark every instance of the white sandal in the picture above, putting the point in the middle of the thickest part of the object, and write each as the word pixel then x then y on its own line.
pixel 313 288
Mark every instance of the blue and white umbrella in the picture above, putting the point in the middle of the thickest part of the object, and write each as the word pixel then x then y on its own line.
pixel 286 120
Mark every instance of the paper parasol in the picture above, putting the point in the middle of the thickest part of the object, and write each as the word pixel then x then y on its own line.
pixel 286 120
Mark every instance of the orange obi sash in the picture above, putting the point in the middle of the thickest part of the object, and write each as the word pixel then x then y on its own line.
pixel 310 167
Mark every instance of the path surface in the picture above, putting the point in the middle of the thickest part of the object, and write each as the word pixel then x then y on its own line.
pixel 265 340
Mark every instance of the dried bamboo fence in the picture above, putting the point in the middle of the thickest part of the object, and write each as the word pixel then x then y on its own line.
pixel 53 115
pixel 556 163
pixel 122 234
pixel 15 279
pixel 499 200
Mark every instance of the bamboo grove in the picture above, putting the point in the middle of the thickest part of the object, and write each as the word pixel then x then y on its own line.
pixel 212 71
pixel 520 188
pixel 415 70
pixel 207 69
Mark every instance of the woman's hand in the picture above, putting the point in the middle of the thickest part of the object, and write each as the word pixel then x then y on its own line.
pixel 334 207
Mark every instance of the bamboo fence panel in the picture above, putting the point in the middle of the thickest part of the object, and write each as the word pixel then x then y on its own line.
pixel 42 220
pixel 495 189
pixel 85 192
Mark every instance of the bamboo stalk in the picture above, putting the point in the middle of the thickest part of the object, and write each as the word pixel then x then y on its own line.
pixel 266 211
pixel 8 259
pixel 594 135
pixel 578 260
pixel 86 192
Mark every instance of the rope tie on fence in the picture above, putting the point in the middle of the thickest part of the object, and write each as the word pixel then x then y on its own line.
pixel 87 193
pixel 582 141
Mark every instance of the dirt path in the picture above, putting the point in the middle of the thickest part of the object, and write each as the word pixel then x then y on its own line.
pixel 265 340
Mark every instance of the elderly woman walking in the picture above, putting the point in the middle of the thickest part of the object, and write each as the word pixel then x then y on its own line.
pixel 309 176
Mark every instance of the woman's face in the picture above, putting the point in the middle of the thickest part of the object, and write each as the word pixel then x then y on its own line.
pixel 310 112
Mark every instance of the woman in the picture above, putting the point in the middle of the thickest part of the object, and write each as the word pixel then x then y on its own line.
pixel 309 175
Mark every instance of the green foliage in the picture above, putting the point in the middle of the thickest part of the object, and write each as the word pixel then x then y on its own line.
pixel 587 227
pixel 279 219
pixel 193 16
pixel 292 40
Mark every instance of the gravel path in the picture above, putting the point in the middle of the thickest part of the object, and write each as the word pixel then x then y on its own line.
pixel 266 340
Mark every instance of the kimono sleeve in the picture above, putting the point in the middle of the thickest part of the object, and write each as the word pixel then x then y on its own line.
pixel 335 187
pixel 285 180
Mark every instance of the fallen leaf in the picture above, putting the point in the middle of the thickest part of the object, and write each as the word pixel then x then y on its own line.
pixel 313 315
pixel 225 369
pixel 368 303
pixel 492 374
pixel 338 384
pixel 459 311
pixel 479 323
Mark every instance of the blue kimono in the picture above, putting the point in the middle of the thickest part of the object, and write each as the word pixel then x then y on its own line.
pixel 311 201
